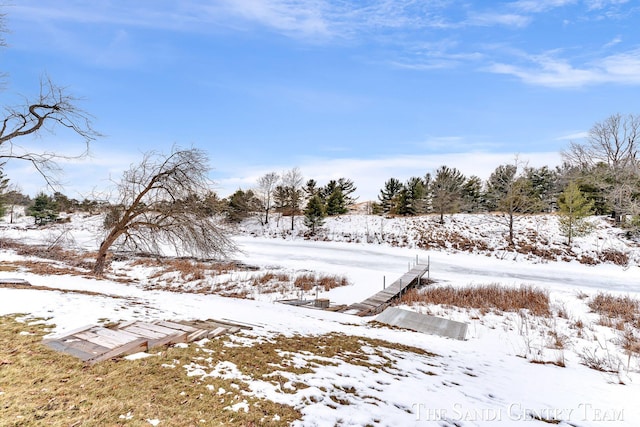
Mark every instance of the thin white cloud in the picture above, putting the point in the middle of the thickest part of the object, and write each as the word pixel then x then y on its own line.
pixel 615 41
pixel 504 19
pixel 601 4
pixel 538 6
pixel 296 18
pixel 573 136
pixel 290 16
pixel 548 70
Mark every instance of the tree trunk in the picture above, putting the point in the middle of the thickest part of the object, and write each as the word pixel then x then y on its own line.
pixel 511 230
pixel 101 261
pixel 101 258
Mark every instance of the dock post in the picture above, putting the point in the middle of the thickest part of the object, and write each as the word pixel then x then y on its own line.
pixel 384 282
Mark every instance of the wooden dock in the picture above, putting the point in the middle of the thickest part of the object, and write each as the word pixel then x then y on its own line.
pixel 95 343
pixel 378 302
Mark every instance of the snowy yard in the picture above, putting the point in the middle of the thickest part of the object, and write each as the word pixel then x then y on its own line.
pixel 513 367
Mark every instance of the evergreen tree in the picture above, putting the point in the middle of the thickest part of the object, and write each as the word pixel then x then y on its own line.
pixel 389 194
pixel 314 213
pixel 413 198
pixel 311 188
pixel 545 186
pixel 471 195
pixel 328 189
pixel 336 203
pixel 510 194
pixel 499 185
pixel 64 203
pixel 447 191
pixel 574 207
pixel 241 205
pixel 347 187
pixel 43 210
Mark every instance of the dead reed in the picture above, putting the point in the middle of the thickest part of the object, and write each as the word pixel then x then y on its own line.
pixel 492 297
pixel 616 309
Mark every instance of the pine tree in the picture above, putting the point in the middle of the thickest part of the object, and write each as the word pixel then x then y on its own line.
pixel 471 194
pixel 389 194
pixel 311 188
pixel 241 205
pixel 447 191
pixel 348 188
pixel 43 209
pixel 336 203
pixel 314 213
pixel 574 207
pixel 509 194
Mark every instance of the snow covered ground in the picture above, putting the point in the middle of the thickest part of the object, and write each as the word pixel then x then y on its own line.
pixel 487 378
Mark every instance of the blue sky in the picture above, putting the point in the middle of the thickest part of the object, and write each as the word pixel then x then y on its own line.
pixel 364 90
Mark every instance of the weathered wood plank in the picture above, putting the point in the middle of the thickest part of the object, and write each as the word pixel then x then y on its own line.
pixel 129 348
pixel 217 331
pixel 99 340
pixel 117 334
pixel 144 332
pixel 155 328
pixel 73 331
pixel 176 326
pixel 168 340
pixel 79 348
pixel 199 334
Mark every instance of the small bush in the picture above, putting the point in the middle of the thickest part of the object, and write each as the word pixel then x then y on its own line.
pixel 615 257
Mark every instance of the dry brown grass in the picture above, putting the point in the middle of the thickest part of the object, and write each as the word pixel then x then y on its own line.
pixel 615 257
pixel 269 278
pixel 308 282
pixel 485 298
pixel 45 268
pixel 42 387
pixel 616 310
pixel 71 258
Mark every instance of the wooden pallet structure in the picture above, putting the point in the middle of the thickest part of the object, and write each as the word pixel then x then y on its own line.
pixel 379 301
pixel 95 343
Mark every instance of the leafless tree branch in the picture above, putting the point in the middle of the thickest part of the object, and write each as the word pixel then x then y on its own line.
pixel 52 109
pixel 162 204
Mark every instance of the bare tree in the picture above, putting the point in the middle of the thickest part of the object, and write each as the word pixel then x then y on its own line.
pixel 612 143
pixel 266 187
pixel 52 108
pixel 291 194
pixel 161 203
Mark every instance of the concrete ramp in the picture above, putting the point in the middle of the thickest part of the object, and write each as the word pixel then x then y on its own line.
pixel 423 323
